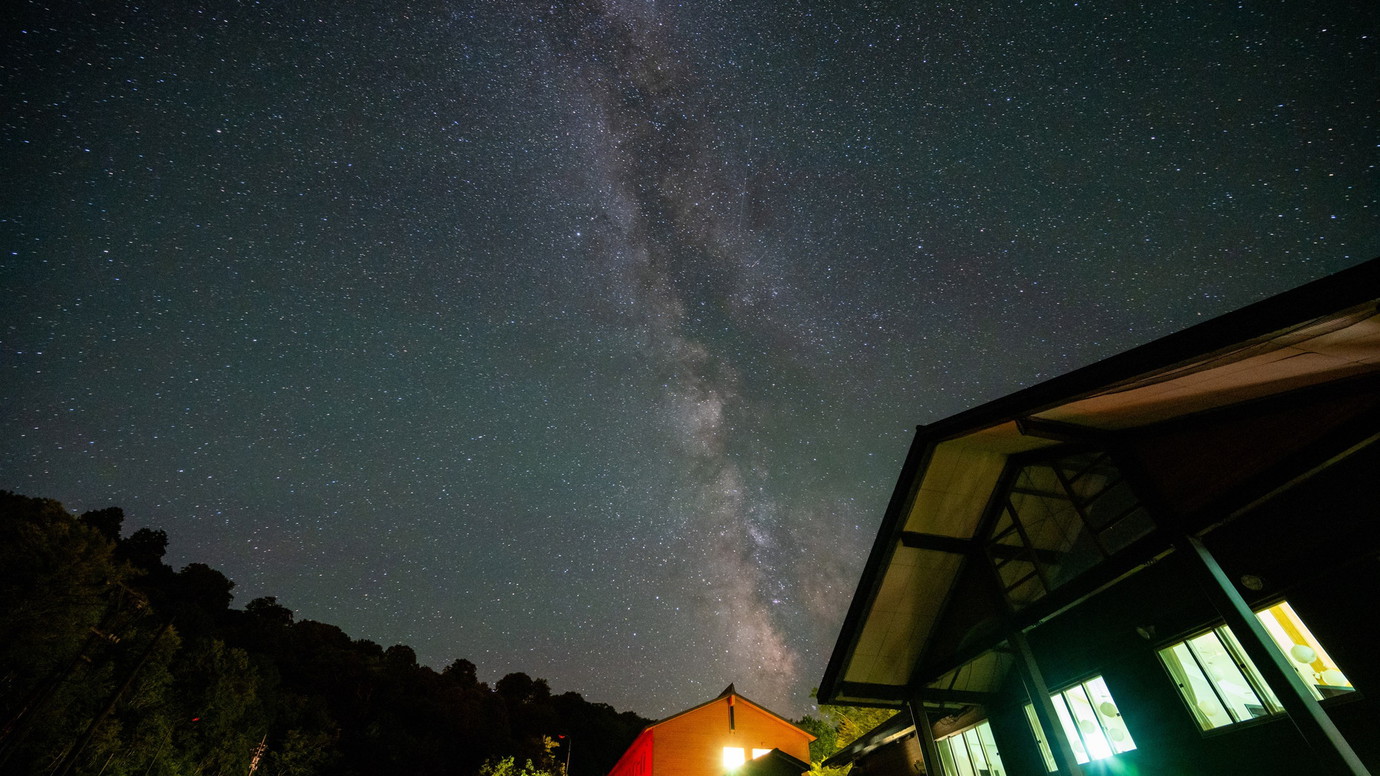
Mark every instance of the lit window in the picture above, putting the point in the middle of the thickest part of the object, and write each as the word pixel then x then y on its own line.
pixel 1091 722
pixel 1222 686
pixel 1306 655
pixel 1039 737
pixel 733 757
pixel 971 752
pixel 759 752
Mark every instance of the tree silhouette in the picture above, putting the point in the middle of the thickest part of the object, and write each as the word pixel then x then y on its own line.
pixel 94 679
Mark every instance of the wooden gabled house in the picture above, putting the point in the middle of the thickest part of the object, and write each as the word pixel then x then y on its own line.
pixel 727 735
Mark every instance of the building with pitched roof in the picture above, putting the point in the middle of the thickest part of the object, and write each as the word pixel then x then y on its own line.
pixel 727 735
pixel 1165 562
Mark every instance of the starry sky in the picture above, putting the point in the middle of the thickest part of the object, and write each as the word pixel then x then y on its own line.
pixel 587 339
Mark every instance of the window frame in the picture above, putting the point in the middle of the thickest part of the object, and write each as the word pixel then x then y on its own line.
pixel 1069 723
pixel 945 748
pixel 1059 479
pixel 1247 670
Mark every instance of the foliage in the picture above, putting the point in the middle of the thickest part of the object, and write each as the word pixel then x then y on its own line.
pixel 835 728
pixel 818 768
pixel 507 766
pixel 90 620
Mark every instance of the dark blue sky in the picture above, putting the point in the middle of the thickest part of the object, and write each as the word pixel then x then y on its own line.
pixel 586 339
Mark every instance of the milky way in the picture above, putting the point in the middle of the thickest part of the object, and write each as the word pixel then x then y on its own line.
pixel 586 339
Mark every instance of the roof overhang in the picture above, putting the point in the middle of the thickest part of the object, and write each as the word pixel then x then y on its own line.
pixel 1322 333
pixel 730 697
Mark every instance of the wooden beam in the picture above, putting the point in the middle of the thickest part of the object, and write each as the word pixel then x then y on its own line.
pixel 926 541
pixel 872 691
pixel 925 733
pixel 963 697
pixel 1058 430
pixel 1038 692
pixel 923 541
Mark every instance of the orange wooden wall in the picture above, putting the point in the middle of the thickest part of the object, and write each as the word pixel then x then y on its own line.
pixel 637 761
pixel 692 743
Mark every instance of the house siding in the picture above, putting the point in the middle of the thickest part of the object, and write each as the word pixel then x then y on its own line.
pixel 691 743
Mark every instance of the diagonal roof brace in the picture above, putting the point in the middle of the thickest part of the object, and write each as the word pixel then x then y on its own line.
pixel 1058 430
pixel 926 541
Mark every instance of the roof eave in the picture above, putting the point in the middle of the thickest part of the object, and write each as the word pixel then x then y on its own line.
pixel 1342 290
pixel 882 547
pixel 1323 297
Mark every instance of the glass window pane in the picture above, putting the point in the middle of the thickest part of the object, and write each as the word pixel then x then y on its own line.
pixel 1051 524
pixel 1126 530
pixel 989 748
pixel 1080 706
pixel 1219 665
pixel 1087 474
pixel 1109 715
pixel 972 752
pixel 1110 504
pixel 946 755
pixel 1027 592
pixel 1195 688
pixel 962 765
pixel 1040 479
pixel 1014 570
pixel 1080 753
pixel 1039 734
pixel 975 753
pixel 1317 669
pixel 1272 704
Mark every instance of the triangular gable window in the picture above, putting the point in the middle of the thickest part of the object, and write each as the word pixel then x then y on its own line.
pixel 1059 518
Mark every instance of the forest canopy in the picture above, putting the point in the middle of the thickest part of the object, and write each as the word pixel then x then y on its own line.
pixel 111 662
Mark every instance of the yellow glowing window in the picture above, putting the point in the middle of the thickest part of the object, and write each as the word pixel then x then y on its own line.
pixel 734 756
pixel 1308 658
pixel 759 752
pixel 1220 684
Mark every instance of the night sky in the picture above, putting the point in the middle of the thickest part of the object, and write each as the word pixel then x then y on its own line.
pixel 587 339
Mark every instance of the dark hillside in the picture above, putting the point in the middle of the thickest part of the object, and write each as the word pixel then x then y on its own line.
pixel 111 662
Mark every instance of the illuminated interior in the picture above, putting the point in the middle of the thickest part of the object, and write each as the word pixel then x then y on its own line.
pixel 1220 684
pixel 1307 657
pixel 734 756
pixel 1091 721
pixel 971 752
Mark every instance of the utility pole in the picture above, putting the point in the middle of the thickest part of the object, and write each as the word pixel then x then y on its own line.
pixel 65 767
pixel 258 754
pixel 16 729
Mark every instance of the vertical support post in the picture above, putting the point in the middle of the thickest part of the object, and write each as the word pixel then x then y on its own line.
pixel 1038 691
pixel 924 731
pixel 1326 743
